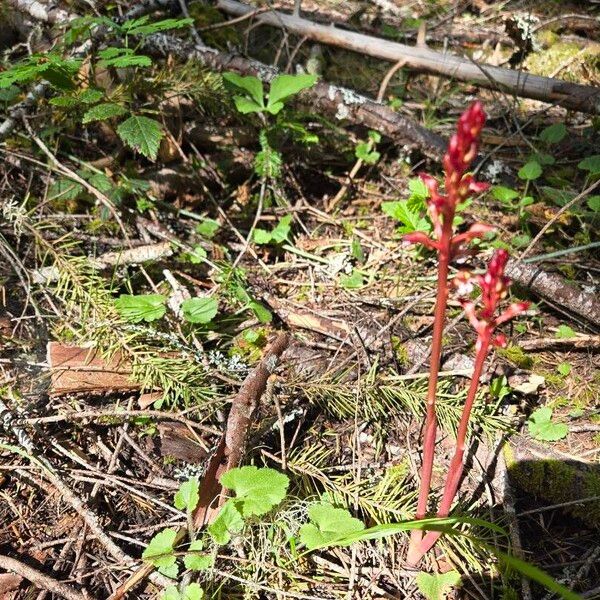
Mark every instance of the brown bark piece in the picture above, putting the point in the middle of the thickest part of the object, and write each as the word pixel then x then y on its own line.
pixel 76 369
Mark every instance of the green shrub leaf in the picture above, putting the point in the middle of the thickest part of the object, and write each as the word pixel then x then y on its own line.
pixel 187 496
pixel 284 86
pixel 141 134
pixel 252 86
pixel 542 428
pixel 160 549
pixel 529 171
pixel 554 133
pixel 102 112
pixel 228 521
pixel 591 164
pixel 195 561
pixel 327 523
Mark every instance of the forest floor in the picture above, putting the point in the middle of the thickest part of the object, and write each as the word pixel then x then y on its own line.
pixel 141 292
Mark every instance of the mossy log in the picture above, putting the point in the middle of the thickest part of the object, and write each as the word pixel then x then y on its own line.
pixel 553 478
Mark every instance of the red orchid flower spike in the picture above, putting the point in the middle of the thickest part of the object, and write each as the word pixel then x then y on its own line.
pixel 458 184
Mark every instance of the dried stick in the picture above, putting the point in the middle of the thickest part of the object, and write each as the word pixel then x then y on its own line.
pixel 39 579
pixel 547 89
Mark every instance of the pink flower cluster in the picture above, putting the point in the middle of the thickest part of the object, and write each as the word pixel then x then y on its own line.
pixel 494 288
pixel 461 152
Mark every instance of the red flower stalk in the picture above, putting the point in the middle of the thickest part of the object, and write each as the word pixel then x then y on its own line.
pixel 494 288
pixel 461 152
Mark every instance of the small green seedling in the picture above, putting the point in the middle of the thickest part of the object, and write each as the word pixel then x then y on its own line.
pixel 146 307
pixel 436 586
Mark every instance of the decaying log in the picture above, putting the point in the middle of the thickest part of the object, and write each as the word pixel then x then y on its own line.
pixel 556 289
pixel 570 95
pixel 582 343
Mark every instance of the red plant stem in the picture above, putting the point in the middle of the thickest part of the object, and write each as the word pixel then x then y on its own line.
pixel 429 434
pixel 456 466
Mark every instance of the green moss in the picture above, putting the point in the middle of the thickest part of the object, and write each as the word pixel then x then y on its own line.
pixel 557 482
pixel 400 352
pixel 204 16
pixel 517 356
pixel 567 61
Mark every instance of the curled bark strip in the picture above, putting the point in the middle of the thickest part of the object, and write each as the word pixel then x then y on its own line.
pixel 547 89
pixel 556 289
pixel 39 579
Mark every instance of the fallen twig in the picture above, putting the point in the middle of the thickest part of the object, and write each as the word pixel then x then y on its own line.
pixel 41 580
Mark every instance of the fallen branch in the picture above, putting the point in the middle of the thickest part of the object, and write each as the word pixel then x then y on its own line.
pixel 556 289
pixel 547 89
pixel 39 579
pixel 586 343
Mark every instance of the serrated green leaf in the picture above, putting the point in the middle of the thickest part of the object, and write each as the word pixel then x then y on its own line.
pixel 197 255
pixel 193 591
pixel 170 571
pixel 65 101
pixel 418 189
pixel 435 586
pixel 228 521
pixel 200 310
pixel 207 228
pixel 591 164
pixel 140 27
pixel 529 171
pixel 141 134
pixel 542 428
pixel 160 549
pixel 65 189
pixel 261 236
pixel 102 112
pixel 122 58
pixel 187 496
pixel 363 152
pixel 195 561
pixel 554 133
pixel 327 523
pixel 410 219
pixel 147 307
pixel 257 490
pixel 170 593
pixel 100 181
pixel 284 86
pixel 252 86
pixel 353 281
pixel 564 368
pixel 90 96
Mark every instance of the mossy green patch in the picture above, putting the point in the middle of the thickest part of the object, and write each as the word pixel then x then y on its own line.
pixel 567 61
pixel 517 356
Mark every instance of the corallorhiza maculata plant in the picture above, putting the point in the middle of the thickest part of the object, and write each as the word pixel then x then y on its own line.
pixel 459 184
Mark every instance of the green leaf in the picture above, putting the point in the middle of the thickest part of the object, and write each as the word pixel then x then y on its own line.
pixel 282 231
pixel 246 106
pixel 141 27
pixel 257 490
pixel 564 332
pixel 434 587
pixel 504 194
pixel 375 136
pixel 197 562
pixel 102 112
pixel 121 58
pixel 197 255
pixel 593 203
pixel 228 521
pixel 200 310
pixel 591 164
pixel 542 428
pixel 418 189
pixel 171 593
pixel 284 86
pixel 261 236
pixel 65 189
pixel 363 152
pixel 187 496
pixel 353 281
pixel 543 158
pixel 65 101
pixel 148 307
pixel 251 85
pixel 327 523
pixel 529 171
pixel 208 227
pixel 170 571
pixel 554 133
pixel 193 591
pixel 411 219
pixel 160 549
pixel 263 314
pixel 99 180
pixel 564 368
pixel 91 96
pixel 141 134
